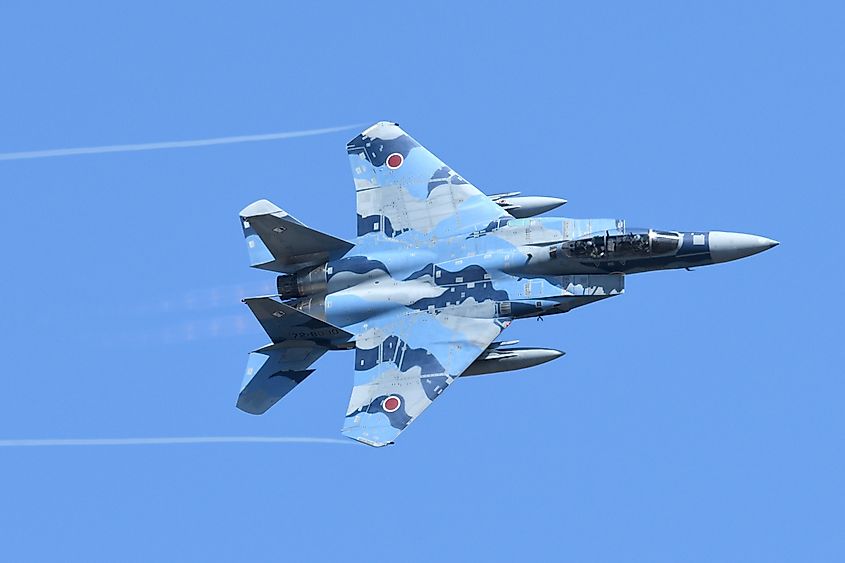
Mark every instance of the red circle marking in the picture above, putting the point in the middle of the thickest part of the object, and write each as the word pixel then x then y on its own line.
pixel 394 161
pixel 391 404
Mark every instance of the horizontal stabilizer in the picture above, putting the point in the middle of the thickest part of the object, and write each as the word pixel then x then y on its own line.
pixel 273 374
pixel 279 242
pixel 284 323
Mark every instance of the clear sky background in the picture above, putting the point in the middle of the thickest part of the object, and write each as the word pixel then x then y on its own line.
pixel 699 417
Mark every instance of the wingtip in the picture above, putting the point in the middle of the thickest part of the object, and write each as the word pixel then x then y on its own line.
pixel 375 443
pixel 370 443
pixel 383 130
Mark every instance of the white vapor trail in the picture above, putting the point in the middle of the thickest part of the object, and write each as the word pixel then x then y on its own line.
pixel 171 441
pixel 173 144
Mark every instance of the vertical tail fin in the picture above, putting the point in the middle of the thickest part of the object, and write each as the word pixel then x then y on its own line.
pixel 278 242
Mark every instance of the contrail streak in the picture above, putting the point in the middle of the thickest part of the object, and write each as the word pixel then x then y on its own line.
pixel 171 441
pixel 173 144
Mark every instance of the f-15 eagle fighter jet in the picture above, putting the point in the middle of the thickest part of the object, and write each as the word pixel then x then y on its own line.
pixel 438 270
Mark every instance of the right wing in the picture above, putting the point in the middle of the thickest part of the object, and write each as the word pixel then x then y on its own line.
pixel 401 186
pixel 404 360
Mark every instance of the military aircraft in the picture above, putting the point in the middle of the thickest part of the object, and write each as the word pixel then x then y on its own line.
pixel 437 271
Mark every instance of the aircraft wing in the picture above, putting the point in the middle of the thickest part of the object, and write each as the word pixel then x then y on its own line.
pixel 403 361
pixel 402 188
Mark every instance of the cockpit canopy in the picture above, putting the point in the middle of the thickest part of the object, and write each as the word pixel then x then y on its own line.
pixel 621 245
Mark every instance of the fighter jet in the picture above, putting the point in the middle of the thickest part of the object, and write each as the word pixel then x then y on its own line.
pixel 438 270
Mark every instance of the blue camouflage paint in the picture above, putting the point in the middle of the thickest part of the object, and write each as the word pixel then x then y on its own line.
pixel 437 271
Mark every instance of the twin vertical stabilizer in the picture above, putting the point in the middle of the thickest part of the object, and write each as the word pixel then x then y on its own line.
pixel 278 242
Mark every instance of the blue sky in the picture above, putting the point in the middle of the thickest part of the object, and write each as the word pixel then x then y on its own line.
pixel 696 418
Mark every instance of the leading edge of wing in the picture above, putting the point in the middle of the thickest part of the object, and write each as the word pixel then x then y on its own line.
pixel 403 362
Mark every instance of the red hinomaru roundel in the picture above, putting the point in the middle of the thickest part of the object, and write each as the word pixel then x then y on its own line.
pixel 394 161
pixel 391 404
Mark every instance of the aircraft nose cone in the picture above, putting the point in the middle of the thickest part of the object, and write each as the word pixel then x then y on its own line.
pixel 732 246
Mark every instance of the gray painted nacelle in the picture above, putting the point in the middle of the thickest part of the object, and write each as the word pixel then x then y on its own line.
pixel 497 359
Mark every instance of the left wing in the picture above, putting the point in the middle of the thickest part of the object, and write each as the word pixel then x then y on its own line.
pixel 404 360
pixel 401 187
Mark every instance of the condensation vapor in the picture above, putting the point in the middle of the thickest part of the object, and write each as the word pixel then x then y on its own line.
pixel 173 144
pixel 171 441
